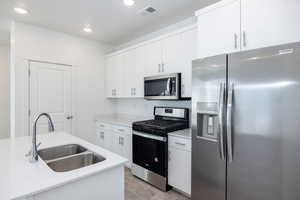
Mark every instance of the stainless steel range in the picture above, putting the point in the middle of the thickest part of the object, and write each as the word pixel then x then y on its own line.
pixel 150 144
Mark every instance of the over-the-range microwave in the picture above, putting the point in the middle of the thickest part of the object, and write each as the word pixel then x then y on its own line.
pixel 163 87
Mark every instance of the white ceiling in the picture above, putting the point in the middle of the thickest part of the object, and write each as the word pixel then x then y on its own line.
pixel 111 21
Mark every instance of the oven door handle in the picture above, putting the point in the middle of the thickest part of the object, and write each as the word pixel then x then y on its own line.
pixel 154 137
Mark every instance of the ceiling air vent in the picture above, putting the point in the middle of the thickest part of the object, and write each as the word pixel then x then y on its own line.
pixel 147 10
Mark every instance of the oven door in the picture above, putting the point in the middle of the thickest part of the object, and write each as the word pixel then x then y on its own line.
pixel 150 152
pixel 162 87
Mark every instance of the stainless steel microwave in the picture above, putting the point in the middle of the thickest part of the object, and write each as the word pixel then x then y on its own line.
pixel 163 87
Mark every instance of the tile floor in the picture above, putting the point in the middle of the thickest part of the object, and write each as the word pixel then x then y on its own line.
pixel 136 189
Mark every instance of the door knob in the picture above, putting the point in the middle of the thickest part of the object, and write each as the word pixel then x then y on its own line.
pixel 69 117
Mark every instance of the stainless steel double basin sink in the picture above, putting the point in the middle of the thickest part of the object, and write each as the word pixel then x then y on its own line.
pixel 69 157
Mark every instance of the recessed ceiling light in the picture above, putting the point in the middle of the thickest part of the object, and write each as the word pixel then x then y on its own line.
pixel 129 2
pixel 87 29
pixel 21 11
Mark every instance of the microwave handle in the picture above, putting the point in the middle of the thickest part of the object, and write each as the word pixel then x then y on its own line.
pixel 169 86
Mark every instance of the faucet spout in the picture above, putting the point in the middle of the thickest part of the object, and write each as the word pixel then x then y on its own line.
pixel 34 155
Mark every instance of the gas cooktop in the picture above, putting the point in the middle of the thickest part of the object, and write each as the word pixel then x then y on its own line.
pixel 166 120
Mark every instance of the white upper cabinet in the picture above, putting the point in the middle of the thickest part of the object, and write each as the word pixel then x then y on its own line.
pixel 134 62
pixel 219 28
pixel 236 25
pixel 269 22
pixel 153 58
pixel 114 76
pixel 171 54
pixel 188 53
pixel 172 62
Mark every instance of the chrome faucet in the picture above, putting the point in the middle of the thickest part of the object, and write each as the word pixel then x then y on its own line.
pixel 33 154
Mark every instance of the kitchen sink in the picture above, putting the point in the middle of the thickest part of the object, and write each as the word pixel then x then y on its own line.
pixel 75 162
pixel 60 151
pixel 69 157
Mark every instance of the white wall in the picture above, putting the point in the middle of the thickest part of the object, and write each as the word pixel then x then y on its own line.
pixel 4 92
pixel 35 43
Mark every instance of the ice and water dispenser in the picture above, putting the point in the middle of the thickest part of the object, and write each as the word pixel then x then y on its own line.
pixel 207 120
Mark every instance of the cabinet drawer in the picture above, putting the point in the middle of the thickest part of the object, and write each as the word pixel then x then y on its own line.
pixel 121 129
pixel 180 143
pixel 101 125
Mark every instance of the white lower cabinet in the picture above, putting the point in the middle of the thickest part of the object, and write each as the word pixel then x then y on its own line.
pixel 116 139
pixel 179 169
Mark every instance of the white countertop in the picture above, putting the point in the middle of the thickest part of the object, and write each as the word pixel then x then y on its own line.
pixel 19 178
pixel 121 119
pixel 185 133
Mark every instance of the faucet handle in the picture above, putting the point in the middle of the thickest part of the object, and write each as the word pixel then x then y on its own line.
pixel 30 151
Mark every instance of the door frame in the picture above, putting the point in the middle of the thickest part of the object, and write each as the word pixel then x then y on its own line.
pixel 27 94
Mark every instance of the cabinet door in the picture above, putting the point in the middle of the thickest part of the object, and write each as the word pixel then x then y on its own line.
pixel 114 76
pixel 134 65
pixel 104 138
pixel 269 22
pixel 171 52
pixel 188 53
pixel 129 72
pixel 219 30
pixel 100 137
pixel 180 169
pixel 108 137
pixel 122 146
pixel 153 58
pixel 139 72
pixel 109 81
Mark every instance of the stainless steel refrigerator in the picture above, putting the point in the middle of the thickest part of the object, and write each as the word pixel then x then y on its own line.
pixel 246 125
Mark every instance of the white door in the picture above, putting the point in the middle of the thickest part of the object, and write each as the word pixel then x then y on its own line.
pixel 270 22
pixel 219 30
pixel 50 92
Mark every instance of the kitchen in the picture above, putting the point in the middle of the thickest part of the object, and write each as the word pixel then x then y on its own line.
pixel 155 99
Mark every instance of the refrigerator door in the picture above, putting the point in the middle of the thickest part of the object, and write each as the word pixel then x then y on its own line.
pixel 265 125
pixel 208 151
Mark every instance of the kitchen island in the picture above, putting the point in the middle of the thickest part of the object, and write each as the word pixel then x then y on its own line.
pixel 22 180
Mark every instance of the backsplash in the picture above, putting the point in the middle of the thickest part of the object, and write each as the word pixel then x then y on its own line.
pixel 142 107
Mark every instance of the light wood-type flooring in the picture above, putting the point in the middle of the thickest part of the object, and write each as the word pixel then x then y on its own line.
pixel 136 189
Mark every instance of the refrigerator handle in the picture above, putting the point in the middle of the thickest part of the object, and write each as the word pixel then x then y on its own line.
pixel 220 116
pixel 229 123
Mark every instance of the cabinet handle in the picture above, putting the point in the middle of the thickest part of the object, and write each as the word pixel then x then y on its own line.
pixel 163 67
pixel 102 135
pixel 235 41
pixel 244 39
pixel 121 130
pixel 181 144
pixel 182 89
pixel 121 141
pixel 169 156
pixel 159 66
